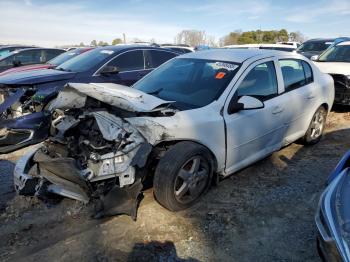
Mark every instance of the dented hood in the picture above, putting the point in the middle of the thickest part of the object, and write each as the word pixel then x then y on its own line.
pixel 74 96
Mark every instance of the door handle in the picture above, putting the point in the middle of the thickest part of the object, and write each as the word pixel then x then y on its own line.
pixel 310 96
pixel 276 110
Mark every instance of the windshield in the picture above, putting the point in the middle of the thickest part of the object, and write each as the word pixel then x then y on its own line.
pixel 86 61
pixel 64 57
pixel 338 53
pixel 191 83
pixel 314 46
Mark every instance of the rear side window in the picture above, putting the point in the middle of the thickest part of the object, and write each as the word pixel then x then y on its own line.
pixel 49 54
pixel 260 82
pixel 155 58
pixel 129 61
pixel 296 73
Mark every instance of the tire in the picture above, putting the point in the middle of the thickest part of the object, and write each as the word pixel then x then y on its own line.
pixel 316 127
pixel 182 175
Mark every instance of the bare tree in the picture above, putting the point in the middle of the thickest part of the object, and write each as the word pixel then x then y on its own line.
pixel 297 36
pixel 191 37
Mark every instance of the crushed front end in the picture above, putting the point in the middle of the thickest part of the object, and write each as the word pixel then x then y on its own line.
pixel 92 155
pixel 342 89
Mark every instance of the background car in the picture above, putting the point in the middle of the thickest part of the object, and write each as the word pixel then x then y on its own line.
pixel 26 94
pixel 4 50
pixel 200 115
pixel 336 62
pixel 317 46
pixel 278 47
pixel 179 48
pixel 28 56
pixel 58 60
pixel 333 214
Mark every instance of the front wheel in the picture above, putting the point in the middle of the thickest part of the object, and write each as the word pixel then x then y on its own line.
pixel 318 122
pixel 183 174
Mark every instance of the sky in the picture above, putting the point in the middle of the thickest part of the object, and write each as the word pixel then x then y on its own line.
pixel 65 22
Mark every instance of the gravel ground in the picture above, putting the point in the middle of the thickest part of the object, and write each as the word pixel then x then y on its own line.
pixel 262 213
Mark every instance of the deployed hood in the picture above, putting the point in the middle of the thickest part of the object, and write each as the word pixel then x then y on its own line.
pixel 74 96
pixel 35 77
pixel 334 67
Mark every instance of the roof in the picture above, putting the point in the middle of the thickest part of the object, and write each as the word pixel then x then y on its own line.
pixel 259 45
pixel 234 55
pixel 344 43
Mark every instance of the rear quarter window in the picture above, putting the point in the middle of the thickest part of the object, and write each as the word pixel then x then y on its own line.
pixel 293 73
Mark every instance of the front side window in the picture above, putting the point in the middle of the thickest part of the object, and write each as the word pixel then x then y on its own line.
pixel 129 61
pixel 260 82
pixel 293 73
pixel 190 83
pixel 338 53
pixel 28 57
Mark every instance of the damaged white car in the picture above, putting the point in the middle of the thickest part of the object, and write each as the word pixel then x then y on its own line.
pixel 195 119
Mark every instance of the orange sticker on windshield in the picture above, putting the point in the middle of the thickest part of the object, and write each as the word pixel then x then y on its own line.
pixel 220 75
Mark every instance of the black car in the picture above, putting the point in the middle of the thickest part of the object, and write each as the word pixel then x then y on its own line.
pixel 26 96
pixel 28 56
pixel 314 47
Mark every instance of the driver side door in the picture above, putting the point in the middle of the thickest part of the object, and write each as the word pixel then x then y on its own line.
pixel 252 134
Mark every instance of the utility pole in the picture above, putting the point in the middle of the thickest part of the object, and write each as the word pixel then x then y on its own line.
pixel 124 38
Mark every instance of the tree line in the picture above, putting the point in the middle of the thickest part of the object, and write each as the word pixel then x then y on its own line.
pixel 197 37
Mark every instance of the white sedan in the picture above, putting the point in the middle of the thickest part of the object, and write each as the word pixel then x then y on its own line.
pixel 198 117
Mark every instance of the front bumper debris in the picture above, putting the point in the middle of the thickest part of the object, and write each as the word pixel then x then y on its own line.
pixel 23 131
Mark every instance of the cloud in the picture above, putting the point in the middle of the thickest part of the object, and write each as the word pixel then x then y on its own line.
pixel 318 11
pixel 28 2
pixel 71 23
pixel 232 8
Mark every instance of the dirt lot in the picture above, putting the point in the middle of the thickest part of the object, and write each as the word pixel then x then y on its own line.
pixel 263 213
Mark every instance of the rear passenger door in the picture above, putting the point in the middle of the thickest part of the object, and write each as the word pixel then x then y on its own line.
pixel 301 91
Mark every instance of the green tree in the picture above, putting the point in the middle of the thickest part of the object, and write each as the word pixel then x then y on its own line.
pixel 117 41
pixel 93 43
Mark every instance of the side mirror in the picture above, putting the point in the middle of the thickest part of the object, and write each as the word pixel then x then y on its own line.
pixel 107 70
pixel 244 103
pixel 16 63
pixel 314 58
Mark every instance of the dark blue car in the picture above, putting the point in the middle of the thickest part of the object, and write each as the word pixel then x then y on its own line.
pixel 333 214
pixel 26 96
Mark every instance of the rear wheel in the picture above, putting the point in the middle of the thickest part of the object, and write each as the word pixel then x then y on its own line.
pixel 182 175
pixel 318 122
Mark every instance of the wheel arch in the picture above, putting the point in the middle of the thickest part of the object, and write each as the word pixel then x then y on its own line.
pixel 169 143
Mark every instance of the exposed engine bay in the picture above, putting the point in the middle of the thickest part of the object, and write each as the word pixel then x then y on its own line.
pixel 92 153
